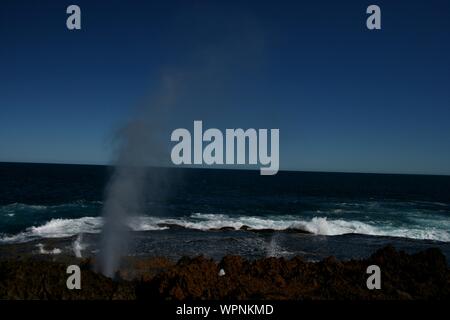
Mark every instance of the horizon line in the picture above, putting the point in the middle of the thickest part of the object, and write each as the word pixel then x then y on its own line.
pixel 224 168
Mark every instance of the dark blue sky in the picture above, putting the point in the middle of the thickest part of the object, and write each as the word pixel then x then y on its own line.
pixel 345 98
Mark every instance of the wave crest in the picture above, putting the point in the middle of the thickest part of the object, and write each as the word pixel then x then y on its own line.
pixel 58 228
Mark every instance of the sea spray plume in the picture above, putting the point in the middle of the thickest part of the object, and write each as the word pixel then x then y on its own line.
pixel 140 147
pixel 200 87
pixel 78 246
pixel 122 199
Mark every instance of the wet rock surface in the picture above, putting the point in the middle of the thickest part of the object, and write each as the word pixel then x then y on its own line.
pixel 424 275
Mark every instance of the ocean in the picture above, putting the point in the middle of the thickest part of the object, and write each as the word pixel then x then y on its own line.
pixel 52 209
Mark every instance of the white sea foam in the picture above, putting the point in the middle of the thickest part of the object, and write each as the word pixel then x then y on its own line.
pixel 323 226
pixel 430 229
pixel 43 251
pixel 57 228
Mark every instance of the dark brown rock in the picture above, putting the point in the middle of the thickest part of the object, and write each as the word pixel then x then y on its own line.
pixel 424 275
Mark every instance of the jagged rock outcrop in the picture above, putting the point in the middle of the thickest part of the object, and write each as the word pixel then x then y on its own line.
pixel 424 275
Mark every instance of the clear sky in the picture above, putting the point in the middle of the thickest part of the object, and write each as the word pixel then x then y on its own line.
pixel 344 98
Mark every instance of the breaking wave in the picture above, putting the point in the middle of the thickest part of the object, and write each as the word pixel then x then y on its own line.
pixel 430 229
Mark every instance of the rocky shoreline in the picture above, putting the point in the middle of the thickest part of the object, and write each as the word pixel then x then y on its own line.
pixel 424 275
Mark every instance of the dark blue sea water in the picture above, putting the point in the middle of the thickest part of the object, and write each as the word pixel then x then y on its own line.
pixel 349 215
